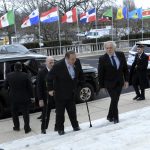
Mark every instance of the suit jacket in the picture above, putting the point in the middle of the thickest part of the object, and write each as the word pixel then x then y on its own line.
pixel 19 87
pixel 110 77
pixel 139 68
pixel 42 84
pixel 61 82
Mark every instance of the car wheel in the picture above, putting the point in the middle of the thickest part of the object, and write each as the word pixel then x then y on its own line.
pixel 1 110
pixel 85 93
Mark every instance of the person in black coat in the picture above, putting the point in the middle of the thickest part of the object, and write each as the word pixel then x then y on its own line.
pixel 20 92
pixel 45 100
pixel 113 75
pixel 62 83
pixel 138 73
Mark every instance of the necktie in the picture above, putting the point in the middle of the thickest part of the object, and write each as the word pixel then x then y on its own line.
pixel 114 62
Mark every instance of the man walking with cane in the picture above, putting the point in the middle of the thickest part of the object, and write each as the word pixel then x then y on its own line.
pixel 62 83
pixel 45 100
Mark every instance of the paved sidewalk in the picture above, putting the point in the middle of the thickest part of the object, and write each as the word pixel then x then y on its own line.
pixel 98 109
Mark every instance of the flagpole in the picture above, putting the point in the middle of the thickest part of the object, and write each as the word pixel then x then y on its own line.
pixel 77 27
pixel 39 27
pixel 128 24
pixel 59 29
pixel 15 28
pixel 96 24
pixel 142 27
pixel 112 23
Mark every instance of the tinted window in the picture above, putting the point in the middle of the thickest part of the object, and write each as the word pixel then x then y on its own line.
pixel 1 71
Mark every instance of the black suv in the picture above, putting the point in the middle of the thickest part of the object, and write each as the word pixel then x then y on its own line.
pixel 31 64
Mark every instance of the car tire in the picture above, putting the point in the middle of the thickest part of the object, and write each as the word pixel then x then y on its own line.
pixel 1 110
pixel 85 93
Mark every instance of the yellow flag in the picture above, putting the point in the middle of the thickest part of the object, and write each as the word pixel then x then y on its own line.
pixel 119 14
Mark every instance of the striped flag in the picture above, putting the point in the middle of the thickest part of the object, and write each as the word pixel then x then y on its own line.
pixel 146 14
pixel 50 16
pixel 70 16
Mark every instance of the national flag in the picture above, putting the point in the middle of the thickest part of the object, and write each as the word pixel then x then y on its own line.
pixel 135 14
pixel 70 16
pixel 32 19
pixel 50 15
pixel 122 13
pixel 146 14
pixel 106 16
pixel 88 16
pixel 108 13
pixel 7 19
pixel 105 19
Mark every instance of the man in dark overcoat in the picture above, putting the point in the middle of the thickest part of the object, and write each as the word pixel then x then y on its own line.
pixel 20 92
pixel 45 100
pixel 113 75
pixel 138 73
pixel 62 83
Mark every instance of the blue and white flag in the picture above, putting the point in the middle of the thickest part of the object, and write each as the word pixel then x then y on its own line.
pixel 32 19
pixel 88 16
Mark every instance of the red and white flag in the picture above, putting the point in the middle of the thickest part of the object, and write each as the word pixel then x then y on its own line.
pixel 70 16
pixel 146 14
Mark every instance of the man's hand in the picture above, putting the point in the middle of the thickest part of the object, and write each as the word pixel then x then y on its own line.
pixel 103 90
pixel 126 85
pixel 32 100
pixel 51 93
pixel 41 103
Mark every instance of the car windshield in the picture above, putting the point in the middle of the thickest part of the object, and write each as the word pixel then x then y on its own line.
pixel 146 48
pixel 16 49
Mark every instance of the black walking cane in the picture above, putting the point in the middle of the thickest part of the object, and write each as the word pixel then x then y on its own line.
pixel 88 112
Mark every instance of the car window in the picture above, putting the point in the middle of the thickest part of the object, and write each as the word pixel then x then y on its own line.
pixel 146 48
pixel 3 50
pixel 134 48
pixel 16 49
pixel 1 71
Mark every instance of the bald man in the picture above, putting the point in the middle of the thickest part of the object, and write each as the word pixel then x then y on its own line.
pixel 46 102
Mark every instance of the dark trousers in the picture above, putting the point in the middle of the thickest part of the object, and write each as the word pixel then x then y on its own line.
pixel 136 83
pixel 137 91
pixel 46 110
pixel 69 105
pixel 24 109
pixel 114 95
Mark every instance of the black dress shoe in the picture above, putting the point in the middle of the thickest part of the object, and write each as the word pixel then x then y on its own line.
pixel 27 130
pixel 136 97
pixel 43 131
pixel 140 98
pixel 16 128
pixel 110 119
pixel 61 132
pixel 116 121
pixel 76 129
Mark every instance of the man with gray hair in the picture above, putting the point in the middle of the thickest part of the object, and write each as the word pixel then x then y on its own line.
pixel 45 101
pixel 113 75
